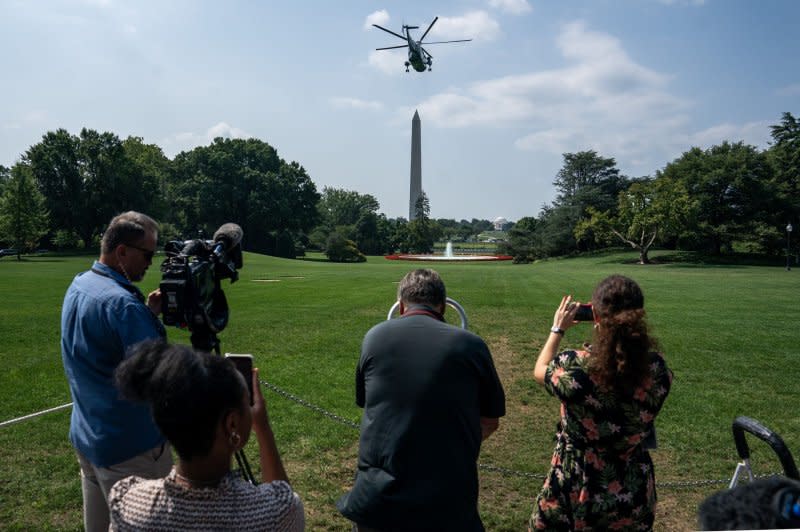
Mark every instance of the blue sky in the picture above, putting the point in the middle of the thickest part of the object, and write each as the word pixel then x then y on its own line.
pixel 641 81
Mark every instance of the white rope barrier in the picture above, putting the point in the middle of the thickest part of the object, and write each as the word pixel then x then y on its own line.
pixel 488 467
pixel 35 414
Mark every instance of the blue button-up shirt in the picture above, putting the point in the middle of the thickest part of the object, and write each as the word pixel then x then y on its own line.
pixel 102 317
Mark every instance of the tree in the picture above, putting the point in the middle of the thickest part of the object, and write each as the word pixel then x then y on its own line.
pixel 730 184
pixel 340 249
pixel 400 240
pixel 152 169
pixel 352 215
pixel 588 180
pixel 366 234
pixel 246 182
pixel 23 216
pixel 784 157
pixel 110 182
pixel 5 175
pixel 520 241
pixel 647 210
pixel 344 207
pixel 86 180
pixel 421 232
pixel 54 164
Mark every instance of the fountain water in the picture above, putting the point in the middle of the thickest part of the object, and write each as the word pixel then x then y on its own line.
pixel 449 256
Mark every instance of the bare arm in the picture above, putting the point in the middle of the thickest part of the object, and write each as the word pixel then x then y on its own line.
pixel 271 465
pixel 564 318
pixel 488 426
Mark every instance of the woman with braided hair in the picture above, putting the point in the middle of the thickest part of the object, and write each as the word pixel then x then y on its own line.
pixel 601 475
pixel 201 404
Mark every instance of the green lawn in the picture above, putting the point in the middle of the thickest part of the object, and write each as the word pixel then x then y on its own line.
pixel 729 333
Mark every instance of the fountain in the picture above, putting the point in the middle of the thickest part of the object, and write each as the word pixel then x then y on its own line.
pixel 449 256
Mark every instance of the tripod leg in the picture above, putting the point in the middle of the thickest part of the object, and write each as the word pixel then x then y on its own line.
pixel 244 466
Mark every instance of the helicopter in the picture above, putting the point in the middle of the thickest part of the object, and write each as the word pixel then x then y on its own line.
pixel 418 57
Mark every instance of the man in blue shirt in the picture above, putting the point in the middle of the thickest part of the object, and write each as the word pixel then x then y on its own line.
pixel 103 315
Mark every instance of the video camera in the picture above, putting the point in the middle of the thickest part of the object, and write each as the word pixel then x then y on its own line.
pixel 190 283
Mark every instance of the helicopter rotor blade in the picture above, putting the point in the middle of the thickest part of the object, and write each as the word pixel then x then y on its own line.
pixel 390 31
pixel 429 29
pixel 393 47
pixel 445 42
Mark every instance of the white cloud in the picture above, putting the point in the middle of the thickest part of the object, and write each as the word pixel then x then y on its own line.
pixel 356 103
pixel 222 129
pixel 381 18
pixel 97 3
pixel 515 7
pixel 477 25
pixel 35 116
pixel 682 2
pixel 188 140
pixel 599 99
pixel 789 90
pixel 388 61
pixel 755 133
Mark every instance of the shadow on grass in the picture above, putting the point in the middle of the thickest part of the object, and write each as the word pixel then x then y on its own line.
pixel 37 259
pixel 685 259
pixel 698 259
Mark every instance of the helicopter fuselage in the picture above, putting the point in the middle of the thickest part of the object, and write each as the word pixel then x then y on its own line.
pixel 416 57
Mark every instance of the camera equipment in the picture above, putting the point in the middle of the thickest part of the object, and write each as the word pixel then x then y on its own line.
pixel 190 283
pixel 192 296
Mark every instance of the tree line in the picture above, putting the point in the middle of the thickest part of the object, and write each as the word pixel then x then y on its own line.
pixel 731 197
pixel 65 188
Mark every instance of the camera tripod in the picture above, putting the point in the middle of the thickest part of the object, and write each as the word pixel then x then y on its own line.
pixel 204 339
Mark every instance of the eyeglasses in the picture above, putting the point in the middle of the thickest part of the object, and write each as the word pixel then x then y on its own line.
pixel 148 254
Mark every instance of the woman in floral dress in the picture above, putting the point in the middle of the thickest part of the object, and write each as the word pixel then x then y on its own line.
pixel 602 476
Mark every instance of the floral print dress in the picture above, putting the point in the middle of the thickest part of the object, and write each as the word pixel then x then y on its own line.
pixel 601 476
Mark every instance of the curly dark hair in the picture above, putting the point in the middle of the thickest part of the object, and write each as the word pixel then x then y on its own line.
pixel 188 392
pixel 621 342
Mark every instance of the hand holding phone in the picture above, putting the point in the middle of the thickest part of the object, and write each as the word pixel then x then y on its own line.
pixel 244 363
pixel 584 313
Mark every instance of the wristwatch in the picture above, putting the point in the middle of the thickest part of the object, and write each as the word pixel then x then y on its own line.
pixel 556 330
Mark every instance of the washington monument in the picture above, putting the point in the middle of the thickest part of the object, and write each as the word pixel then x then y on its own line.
pixel 416 167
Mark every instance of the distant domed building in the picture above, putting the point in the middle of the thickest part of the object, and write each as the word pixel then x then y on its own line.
pixel 499 223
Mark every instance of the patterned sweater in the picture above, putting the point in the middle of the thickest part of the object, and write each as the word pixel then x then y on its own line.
pixel 164 504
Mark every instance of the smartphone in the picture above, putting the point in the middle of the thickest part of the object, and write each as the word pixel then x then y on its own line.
pixel 244 363
pixel 584 313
